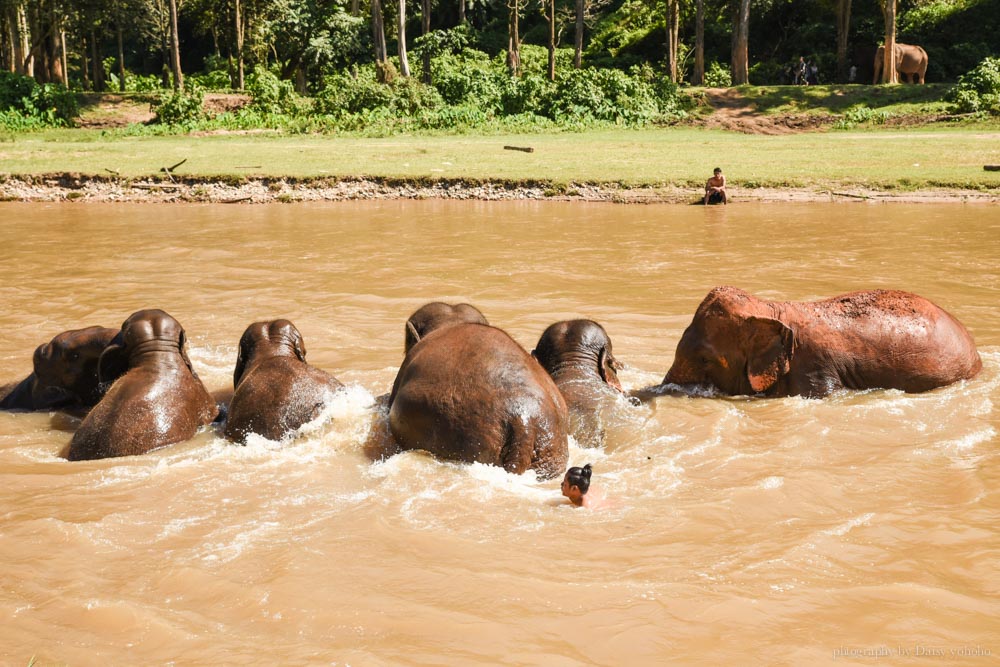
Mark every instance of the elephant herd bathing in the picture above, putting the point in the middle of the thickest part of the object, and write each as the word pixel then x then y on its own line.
pixel 466 391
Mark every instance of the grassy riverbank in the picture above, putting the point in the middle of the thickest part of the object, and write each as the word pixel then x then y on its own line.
pixel 933 157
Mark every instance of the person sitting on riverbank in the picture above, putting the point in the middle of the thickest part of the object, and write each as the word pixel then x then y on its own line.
pixel 715 188
pixel 575 485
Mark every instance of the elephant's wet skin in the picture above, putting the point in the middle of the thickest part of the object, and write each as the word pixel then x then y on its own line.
pixel 64 375
pixel 276 391
pixel 881 339
pixel 155 398
pixel 435 315
pixel 469 392
pixel 577 355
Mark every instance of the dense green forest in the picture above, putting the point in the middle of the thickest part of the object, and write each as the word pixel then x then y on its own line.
pixel 467 61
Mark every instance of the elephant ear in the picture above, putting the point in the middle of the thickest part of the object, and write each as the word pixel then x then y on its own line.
pixel 241 366
pixel 182 344
pixel 411 337
pixel 607 366
pixel 113 362
pixel 770 346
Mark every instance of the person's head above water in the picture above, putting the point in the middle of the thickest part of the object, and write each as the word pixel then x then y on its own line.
pixel 576 484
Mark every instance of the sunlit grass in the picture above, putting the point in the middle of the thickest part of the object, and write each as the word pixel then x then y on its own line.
pixel 938 156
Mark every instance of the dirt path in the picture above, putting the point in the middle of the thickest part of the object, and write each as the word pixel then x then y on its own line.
pixel 732 111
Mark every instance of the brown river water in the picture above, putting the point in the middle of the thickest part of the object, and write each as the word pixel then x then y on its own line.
pixel 856 529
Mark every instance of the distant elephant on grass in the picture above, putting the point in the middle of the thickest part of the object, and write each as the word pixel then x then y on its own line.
pixel 156 398
pixel 880 339
pixel 276 390
pixel 64 375
pixel 577 355
pixel 468 392
pixel 911 63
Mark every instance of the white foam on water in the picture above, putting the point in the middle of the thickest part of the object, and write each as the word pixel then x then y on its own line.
pixel 770 483
pixel 848 526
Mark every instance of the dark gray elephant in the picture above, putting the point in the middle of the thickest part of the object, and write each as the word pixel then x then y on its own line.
pixel 276 391
pixel 155 398
pixel 911 63
pixel 64 375
pixel 468 392
pixel 577 355
pixel 880 339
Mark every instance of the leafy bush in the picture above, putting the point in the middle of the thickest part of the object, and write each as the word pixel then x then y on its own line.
pixel 181 108
pixel 214 80
pixel 344 94
pixel 718 76
pixel 49 104
pixel 271 94
pixel 861 114
pixel 979 89
pixel 142 83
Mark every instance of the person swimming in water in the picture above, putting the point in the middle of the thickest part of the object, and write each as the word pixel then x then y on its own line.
pixel 575 485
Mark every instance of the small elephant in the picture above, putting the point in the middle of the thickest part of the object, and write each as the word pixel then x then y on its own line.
pixel 577 354
pixel 911 63
pixel 64 375
pixel 468 392
pixel 276 391
pixel 880 339
pixel 156 398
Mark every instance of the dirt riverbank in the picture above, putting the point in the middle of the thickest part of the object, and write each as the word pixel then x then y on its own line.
pixel 81 188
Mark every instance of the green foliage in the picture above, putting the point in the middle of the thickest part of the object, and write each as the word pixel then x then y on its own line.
pixel 271 94
pixel 44 105
pixel 142 83
pixel 181 108
pixel 213 80
pixel 344 94
pixel 718 76
pixel 979 89
pixel 861 114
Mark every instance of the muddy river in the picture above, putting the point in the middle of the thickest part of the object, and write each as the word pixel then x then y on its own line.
pixel 848 530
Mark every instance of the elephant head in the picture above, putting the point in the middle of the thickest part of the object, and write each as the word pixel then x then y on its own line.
pixel 576 348
pixel 735 344
pixel 437 315
pixel 146 333
pixel 264 340
pixel 65 372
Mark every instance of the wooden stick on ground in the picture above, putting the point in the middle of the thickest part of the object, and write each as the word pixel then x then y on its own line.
pixel 523 149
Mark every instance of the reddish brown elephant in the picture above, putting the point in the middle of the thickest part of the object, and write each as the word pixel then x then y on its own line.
pixel 468 392
pixel 155 398
pixel 276 390
pixel 64 375
pixel 885 339
pixel 577 355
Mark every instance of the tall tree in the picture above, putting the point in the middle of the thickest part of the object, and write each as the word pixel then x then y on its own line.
pixel 404 64
pixel 581 10
pixel 425 28
pixel 513 37
pixel 741 38
pixel 698 78
pixel 549 13
pixel 378 32
pixel 238 45
pixel 843 34
pixel 175 48
pixel 673 37
pixel 889 53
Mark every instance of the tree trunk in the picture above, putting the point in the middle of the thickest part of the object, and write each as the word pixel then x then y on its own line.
pixel 85 65
pixel 355 8
pixel 461 12
pixel 57 73
pixel 240 68
pixel 404 64
pixel 378 32
pixel 65 57
pixel 425 25
pixel 843 34
pixel 740 62
pixel 121 58
pixel 513 38
pixel 551 18
pixel 581 9
pixel 673 21
pixel 175 48
pixel 698 78
pixel 889 53
pixel 27 60
pixel 7 41
pixel 97 66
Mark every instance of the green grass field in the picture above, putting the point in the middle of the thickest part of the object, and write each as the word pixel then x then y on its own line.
pixel 939 156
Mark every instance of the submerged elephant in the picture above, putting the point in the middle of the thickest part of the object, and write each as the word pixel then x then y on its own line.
pixel 64 375
pixel 156 398
pixel 468 392
pixel 577 355
pixel 884 339
pixel 911 63
pixel 276 391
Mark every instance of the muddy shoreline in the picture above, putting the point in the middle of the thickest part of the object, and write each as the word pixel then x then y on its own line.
pixel 264 190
